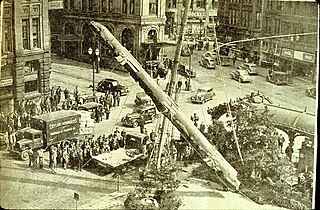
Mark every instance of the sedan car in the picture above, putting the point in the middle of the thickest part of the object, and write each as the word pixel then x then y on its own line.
pixel 209 63
pixel 209 54
pixel 240 76
pixel 203 95
pixel 111 85
pixel 311 92
pixel 251 68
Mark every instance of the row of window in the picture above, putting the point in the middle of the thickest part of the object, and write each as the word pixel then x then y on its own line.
pixel 244 19
pixel 127 6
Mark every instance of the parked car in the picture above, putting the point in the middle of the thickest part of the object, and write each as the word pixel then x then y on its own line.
pixel 203 95
pixel 251 68
pixel 146 112
pixel 184 71
pixel 240 75
pixel 112 85
pixel 311 92
pixel 142 99
pixel 209 54
pixel 278 77
pixel 208 63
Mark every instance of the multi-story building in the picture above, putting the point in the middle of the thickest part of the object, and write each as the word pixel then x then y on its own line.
pixel 135 23
pixel 243 19
pixel 25 52
pixel 295 54
pixel 202 16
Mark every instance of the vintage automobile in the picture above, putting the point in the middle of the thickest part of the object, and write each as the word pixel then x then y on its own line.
pixel 311 92
pixel 208 63
pixel 203 95
pixel 184 71
pixel 90 107
pixel 148 113
pixel 240 75
pixel 278 77
pixel 142 99
pixel 251 68
pixel 209 54
pixel 112 85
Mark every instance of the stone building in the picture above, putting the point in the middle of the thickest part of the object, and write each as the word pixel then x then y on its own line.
pixel 202 16
pixel 25 52
pixel 244 19
pixel 135 23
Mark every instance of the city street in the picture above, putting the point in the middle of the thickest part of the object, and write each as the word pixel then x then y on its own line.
pixel 15 174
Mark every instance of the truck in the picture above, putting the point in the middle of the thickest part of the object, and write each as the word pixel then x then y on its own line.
pixel 46 130
pixel 167 106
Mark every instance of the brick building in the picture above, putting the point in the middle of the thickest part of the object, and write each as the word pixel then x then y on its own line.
pixel 242 19
pixel 135 23
pixel 25 52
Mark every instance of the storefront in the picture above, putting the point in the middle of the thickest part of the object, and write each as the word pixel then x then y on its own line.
pixel 302 64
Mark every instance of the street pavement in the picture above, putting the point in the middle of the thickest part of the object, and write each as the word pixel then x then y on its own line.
pixel 22 187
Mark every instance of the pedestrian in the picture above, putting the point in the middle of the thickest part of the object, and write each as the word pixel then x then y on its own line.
pixel 202 128
pixel 80 158
pixel 118 98
pixel 141 123
pixel 114 97
pixel 195 118
pixel 30 154
pixel 158 79
pixel 234 58
pixel 58 93
pixel 65 156
pixel 107 111
pixel 35 159
pixel 40 155
pixel 289 151
pixel 179 85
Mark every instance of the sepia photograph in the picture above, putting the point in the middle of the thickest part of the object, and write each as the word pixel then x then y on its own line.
pixel 158 104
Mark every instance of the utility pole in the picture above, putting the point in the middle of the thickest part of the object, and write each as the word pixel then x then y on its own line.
pixel 173 79
pixel 1 26
pixel 206 22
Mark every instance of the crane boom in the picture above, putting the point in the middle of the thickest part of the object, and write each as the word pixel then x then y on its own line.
pixel 167 106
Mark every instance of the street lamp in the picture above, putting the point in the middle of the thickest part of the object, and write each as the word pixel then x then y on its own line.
pixel 293 40
pixel 191 47
pixel 96 52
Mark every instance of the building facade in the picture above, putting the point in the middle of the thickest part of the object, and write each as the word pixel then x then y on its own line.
pixel 135 23
pixel 202 17
pixel 25 52
pixel 244 19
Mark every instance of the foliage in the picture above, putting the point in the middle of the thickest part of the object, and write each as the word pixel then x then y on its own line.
pixel 264 168
pixel 159 185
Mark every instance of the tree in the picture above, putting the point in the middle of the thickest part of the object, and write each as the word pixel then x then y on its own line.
pixel 258 143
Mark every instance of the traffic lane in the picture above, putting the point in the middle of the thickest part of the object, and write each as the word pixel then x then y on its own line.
pixel 285 95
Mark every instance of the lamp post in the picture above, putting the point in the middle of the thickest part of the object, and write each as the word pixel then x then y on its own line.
pixel 191 47
pixel 293 40
pixel 96 52
pixel 200 18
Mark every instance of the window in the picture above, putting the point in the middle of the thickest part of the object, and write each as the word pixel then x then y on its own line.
pixel 131 7
pixel 36 32
pixel 277 26
pixel 258 20
pixel 91 5
pixel 104 5
pixel 31 86
pixel 153 7
pixel 25 34
pixel 31 66
pixel 124 6
pixel 84 5
pixel 110 5
pixel 72 4
pixel 7 33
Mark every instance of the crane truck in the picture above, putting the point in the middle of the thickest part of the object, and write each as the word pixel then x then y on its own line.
pixel 167 106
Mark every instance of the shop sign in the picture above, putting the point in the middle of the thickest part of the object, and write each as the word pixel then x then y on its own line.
pixel 298 55
pixel 56 4
pixel 6 82
pixel 287 53
pixel 30 77
pixel 308 57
